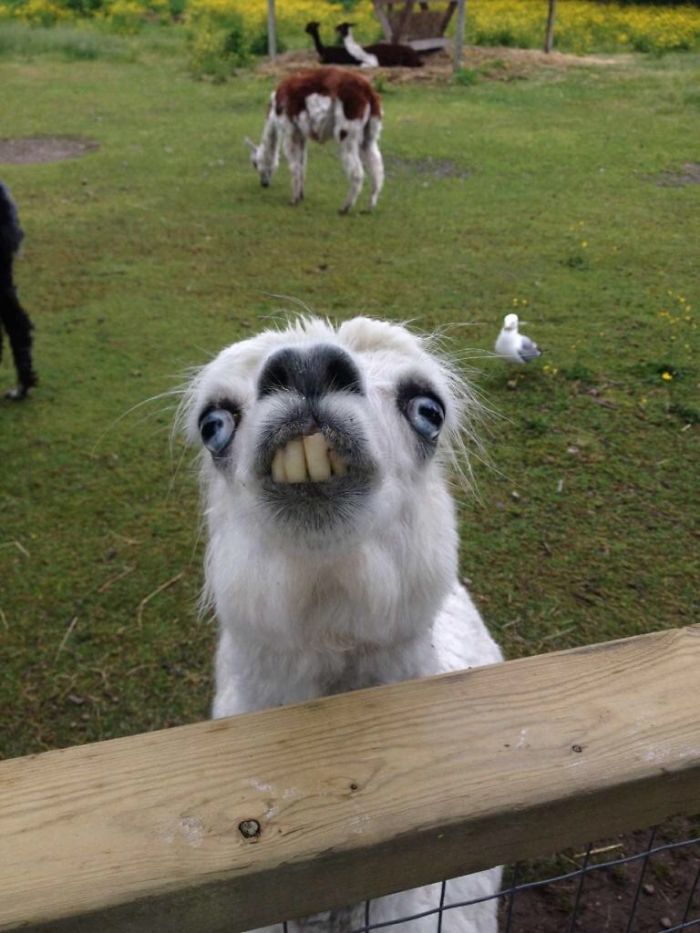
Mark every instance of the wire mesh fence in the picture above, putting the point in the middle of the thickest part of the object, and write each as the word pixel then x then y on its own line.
pixel 644 882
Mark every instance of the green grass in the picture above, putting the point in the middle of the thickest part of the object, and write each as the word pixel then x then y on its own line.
pixel 146 256
pixel 70 43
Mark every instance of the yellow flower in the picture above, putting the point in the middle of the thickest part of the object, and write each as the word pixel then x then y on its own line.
pixel 666 376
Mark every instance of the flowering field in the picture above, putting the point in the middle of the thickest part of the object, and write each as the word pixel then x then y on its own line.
pixel 583 26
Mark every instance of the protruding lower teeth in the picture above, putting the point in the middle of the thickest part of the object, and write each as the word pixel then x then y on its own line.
pixel 307 459
pixel 317 462
pixel 295 462
pixel 338 465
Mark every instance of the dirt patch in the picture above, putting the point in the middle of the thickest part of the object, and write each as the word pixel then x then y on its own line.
pixel 669 892
pixel 690 175
pixel 435 168
pixel 490 64
pixel 31 149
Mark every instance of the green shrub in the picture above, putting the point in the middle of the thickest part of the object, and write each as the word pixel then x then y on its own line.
pixel 259 43
pixel 70 43
pixel 465 77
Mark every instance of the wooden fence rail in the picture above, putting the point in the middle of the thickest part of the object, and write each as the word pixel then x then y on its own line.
pixel 223 826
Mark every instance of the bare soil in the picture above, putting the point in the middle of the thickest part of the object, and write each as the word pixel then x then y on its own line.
pixel 668 895
pixel 33 149
pixel 492 64
pixel 689 175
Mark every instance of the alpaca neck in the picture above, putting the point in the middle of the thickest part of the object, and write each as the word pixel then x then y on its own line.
pixel 355 49
pixel 296 627
pixel 268 150
pixel 329 608
pixel 320 48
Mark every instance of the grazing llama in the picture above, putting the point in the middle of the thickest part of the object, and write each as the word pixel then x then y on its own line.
pixel 332 541
pixel 322 104
pixel 13 317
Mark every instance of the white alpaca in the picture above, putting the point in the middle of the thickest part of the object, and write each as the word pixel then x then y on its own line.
pixel 332 552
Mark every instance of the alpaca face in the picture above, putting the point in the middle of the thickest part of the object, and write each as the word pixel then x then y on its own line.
pixel 313 435
pixel 263 166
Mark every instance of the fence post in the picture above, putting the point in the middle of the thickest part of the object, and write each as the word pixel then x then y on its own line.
pixel 459 35
pixel 271 29
pixel 549 38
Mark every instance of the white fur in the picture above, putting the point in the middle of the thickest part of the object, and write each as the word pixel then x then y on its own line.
pixel 323 119
pixel 372 600
pixel 353 47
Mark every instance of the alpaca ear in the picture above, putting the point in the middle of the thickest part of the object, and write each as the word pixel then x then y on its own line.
pixel 250 144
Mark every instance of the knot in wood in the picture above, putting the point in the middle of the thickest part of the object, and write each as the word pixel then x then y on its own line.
pixel 249 829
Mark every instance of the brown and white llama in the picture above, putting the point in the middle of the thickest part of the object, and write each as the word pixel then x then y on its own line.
pixel 323 104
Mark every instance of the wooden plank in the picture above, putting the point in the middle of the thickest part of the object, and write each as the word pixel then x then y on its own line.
pixel 381 15
pixel 400 30
pixel 549 34
pixel 271 29
pixel 458 49
pixel 355 795
pixel 428 45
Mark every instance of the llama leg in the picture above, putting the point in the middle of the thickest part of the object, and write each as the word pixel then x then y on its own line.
pixel 372 158
pixel 304 154
pixel 352 164
pixel 295 151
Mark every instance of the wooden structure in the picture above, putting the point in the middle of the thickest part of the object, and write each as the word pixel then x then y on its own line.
pixel 223 826
pixel 549 34
pixel 418 23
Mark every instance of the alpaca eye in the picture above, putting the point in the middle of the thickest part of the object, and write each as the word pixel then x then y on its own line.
pixel 217 428
pixel 426 416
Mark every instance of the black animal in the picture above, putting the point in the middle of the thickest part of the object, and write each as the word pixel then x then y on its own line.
pixel 13 318
pixel 388 54
pixel 329 54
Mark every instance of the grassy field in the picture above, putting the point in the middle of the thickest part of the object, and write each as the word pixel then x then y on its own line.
pixel 563 197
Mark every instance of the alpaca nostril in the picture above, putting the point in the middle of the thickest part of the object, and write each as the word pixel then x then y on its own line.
pixel 311 372
pixel 280 373
pixel 334 370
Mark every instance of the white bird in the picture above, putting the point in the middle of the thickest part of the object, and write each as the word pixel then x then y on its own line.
pixel 513 346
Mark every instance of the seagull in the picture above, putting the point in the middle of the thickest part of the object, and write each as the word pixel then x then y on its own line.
pixel 515 347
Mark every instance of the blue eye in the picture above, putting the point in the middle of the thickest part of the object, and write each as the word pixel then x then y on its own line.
pixel 426 416
pixel 217 428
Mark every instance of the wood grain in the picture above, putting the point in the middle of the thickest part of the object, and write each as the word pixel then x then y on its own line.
pixel 355 795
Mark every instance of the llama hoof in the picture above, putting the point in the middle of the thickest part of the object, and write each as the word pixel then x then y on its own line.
pixel 344 210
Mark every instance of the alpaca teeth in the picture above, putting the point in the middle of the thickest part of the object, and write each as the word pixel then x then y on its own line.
pixel 295 462
pixel 307 459
pixel 338 465
pixel 279 474
pixel 317 461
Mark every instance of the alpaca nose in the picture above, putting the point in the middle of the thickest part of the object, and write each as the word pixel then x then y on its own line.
pixel 311 372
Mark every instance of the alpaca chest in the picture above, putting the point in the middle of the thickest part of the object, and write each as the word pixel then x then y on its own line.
pixel 317 120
